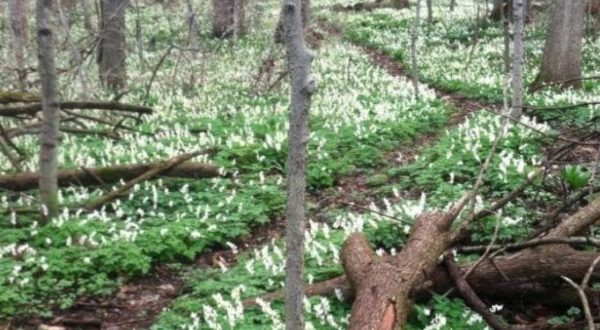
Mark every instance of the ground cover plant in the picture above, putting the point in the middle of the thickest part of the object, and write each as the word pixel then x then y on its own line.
pixel 379 157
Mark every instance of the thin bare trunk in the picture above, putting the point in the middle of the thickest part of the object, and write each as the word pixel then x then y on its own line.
pixel 429 11
pixel 18 22
pixel 413 49
pixel 50 112
pixel 302 88
pixel 75 56
pixel 452 5
pixel 87 14
pixel 517 68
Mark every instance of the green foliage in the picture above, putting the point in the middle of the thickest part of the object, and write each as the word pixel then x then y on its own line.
pixel 575 176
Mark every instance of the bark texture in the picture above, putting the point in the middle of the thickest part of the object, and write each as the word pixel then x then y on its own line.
pixel 228 18
pixel 302 88
pixel 562 53
pixel 517 67
pixel 50 112
pixel 18 23
pixel 106 175
pixel 112 49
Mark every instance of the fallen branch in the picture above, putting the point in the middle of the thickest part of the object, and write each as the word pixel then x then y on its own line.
pixel 107 175
pixel 32 109
pixel 154 171
pixel 15 97
pixel 531 243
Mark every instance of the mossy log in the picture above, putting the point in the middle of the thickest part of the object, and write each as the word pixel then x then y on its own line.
pixel 17 97
pixel 107 175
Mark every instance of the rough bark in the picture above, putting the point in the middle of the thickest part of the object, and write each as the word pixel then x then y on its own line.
pixel 48 156
pixel 228 18
pixel 112 48
pixel 562 53
pixel 517 67
pixel 106 175
pixel 18 23
pixel 302 88
pixel 305 5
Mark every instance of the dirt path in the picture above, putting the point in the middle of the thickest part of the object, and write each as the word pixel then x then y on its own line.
pixel 137 304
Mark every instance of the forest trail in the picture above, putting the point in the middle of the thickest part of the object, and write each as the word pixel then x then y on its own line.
pixel 137 303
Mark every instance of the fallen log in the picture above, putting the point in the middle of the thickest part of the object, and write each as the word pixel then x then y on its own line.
pixel 107 175
pixel 14 97
pixel 32 109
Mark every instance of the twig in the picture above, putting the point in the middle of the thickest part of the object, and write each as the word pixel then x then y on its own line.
pixel 487 249
pixel 584 301
pixel 530 243
pixel 377 212
pixel 155 71
pixel 570 106
pixel 471 297
pixel 162 167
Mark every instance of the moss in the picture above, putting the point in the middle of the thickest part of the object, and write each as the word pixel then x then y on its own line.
pixel 377 180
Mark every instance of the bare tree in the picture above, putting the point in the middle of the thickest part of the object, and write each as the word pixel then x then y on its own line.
pixel 305 21
pixel 50 112
pixel 517 68
pixel 413 48
pixel 112 52
pixel 18 23
pixel 562 54
pixel 302 88
pixel 452 5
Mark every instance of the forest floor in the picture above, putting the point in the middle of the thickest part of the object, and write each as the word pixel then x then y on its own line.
pixel 379 158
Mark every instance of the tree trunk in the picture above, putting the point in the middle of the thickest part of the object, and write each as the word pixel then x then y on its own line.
pixel 452 5
pixel 517 69
pixel 562 54
pixel 302 88
pixel 414 38
pixel 18 23
pixel 50 112
pixel 429 12
pixel 112 52
pixel 229 18
pixel 305 4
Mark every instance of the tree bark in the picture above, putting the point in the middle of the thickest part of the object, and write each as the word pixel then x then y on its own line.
pixel 86 9
pixel 414 38
pixel 305 4
pixel 34 108
pixel 18 23
pixel 562 53
pixel 429 12
pixel 112 48
pixel 302 88
pixel 228 18
pixel 106 175
pixel 50 112
pixel 517 68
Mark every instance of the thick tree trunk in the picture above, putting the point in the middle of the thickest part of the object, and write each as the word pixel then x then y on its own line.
pixel 112 49
pixel 302 88
pixel 50 112
pixel 18 23
pixel 228 18
pixel 106 175
pixel 562 54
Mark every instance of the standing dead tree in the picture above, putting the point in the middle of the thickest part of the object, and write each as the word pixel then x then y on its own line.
pixel 302 88
pixel 50 112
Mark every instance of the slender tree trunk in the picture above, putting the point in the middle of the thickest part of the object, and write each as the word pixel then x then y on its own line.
pixel 562 54
pixel 75 56
pixel 429 11
pixel 517 68
pixel 302 88
pixel 414 50
pixel 138 35
pixel 18 22
pixel 305 21
pixel 50 112
pixel 452 5
pixel 112 52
